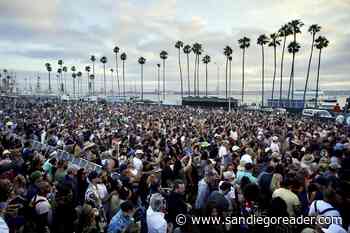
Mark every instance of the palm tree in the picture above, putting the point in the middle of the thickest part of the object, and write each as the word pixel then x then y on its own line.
pixel 293 48
pixel 79 75
pixel 163 56
pixel 295 26
pixel 88 69
pixel 179 44
pixel 93 59
pixel 64 69
pixel 227 52
pixel 158 69
pixel 284 32
pixel 49 69
pixel 206 60
pixel 103 60
pixel 73 69
pixel 123 57
pixel 262 41
pixel 142 61
pixel 274 42
pixel 230 79
pixel 60 86
pixel 313 29
pixel 244 43
pixel 92 81
pixel 320 43
pixel 60 63
pixel 187 50
pixel 197 50
pixel 116 51
pixel 112 80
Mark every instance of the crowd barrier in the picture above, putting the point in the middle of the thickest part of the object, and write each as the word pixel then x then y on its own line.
pixel 61 155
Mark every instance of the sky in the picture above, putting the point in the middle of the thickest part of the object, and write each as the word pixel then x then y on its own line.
pixel 39 31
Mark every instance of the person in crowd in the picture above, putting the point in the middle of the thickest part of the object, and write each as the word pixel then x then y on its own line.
pixel 123 219
pixel 156 222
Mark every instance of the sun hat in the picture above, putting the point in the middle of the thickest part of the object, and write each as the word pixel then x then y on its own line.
pixel 308 159
pixel 88 145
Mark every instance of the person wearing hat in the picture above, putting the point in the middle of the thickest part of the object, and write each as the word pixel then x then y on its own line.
pixel 307 160
pixel 137 161
pixel 247 172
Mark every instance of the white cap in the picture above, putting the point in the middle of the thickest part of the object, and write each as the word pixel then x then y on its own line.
pixel 334 228
pixel 274 138
pixel 229 175
pixel 138 152
pixel 246 159
pixel 235 148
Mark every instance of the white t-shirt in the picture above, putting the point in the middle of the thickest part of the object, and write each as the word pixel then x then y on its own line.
pixel 321 207
pixel 222 151
pixel 155 221
pixel 43 206
pixel 102 190
pixel 3 226
pixel 274 147
pixel 137 164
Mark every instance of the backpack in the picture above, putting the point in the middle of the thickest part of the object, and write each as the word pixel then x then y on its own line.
pixel 31 225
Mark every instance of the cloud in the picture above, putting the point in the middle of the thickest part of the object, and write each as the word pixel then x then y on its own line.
pixel 34 32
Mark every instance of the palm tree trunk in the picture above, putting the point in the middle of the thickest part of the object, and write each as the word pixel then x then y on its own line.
pixel 194 76
pixel 65 83
pixel 141 82
pixel 104 79
pixel 116 68
pixel 158 84
pixel 163 79
pixel 290 80
pixel 198 75
pixel 112 85
pixel 226 78
pixel 318 78
pixel 206 79
pixel 124 78
pixel 281 79
pixel 274 74
pixel 88 83
pixel 308 69
pixel 243 77
pixel 182 94
pixel 230 80
pixel 93 81
pixel 188 75
pixel 74 87
pixel 49 82
pixel 263 78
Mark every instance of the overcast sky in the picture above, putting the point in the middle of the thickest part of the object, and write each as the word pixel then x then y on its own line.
pixel 38 31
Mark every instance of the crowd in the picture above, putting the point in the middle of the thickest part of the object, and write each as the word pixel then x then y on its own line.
pixel 162 161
